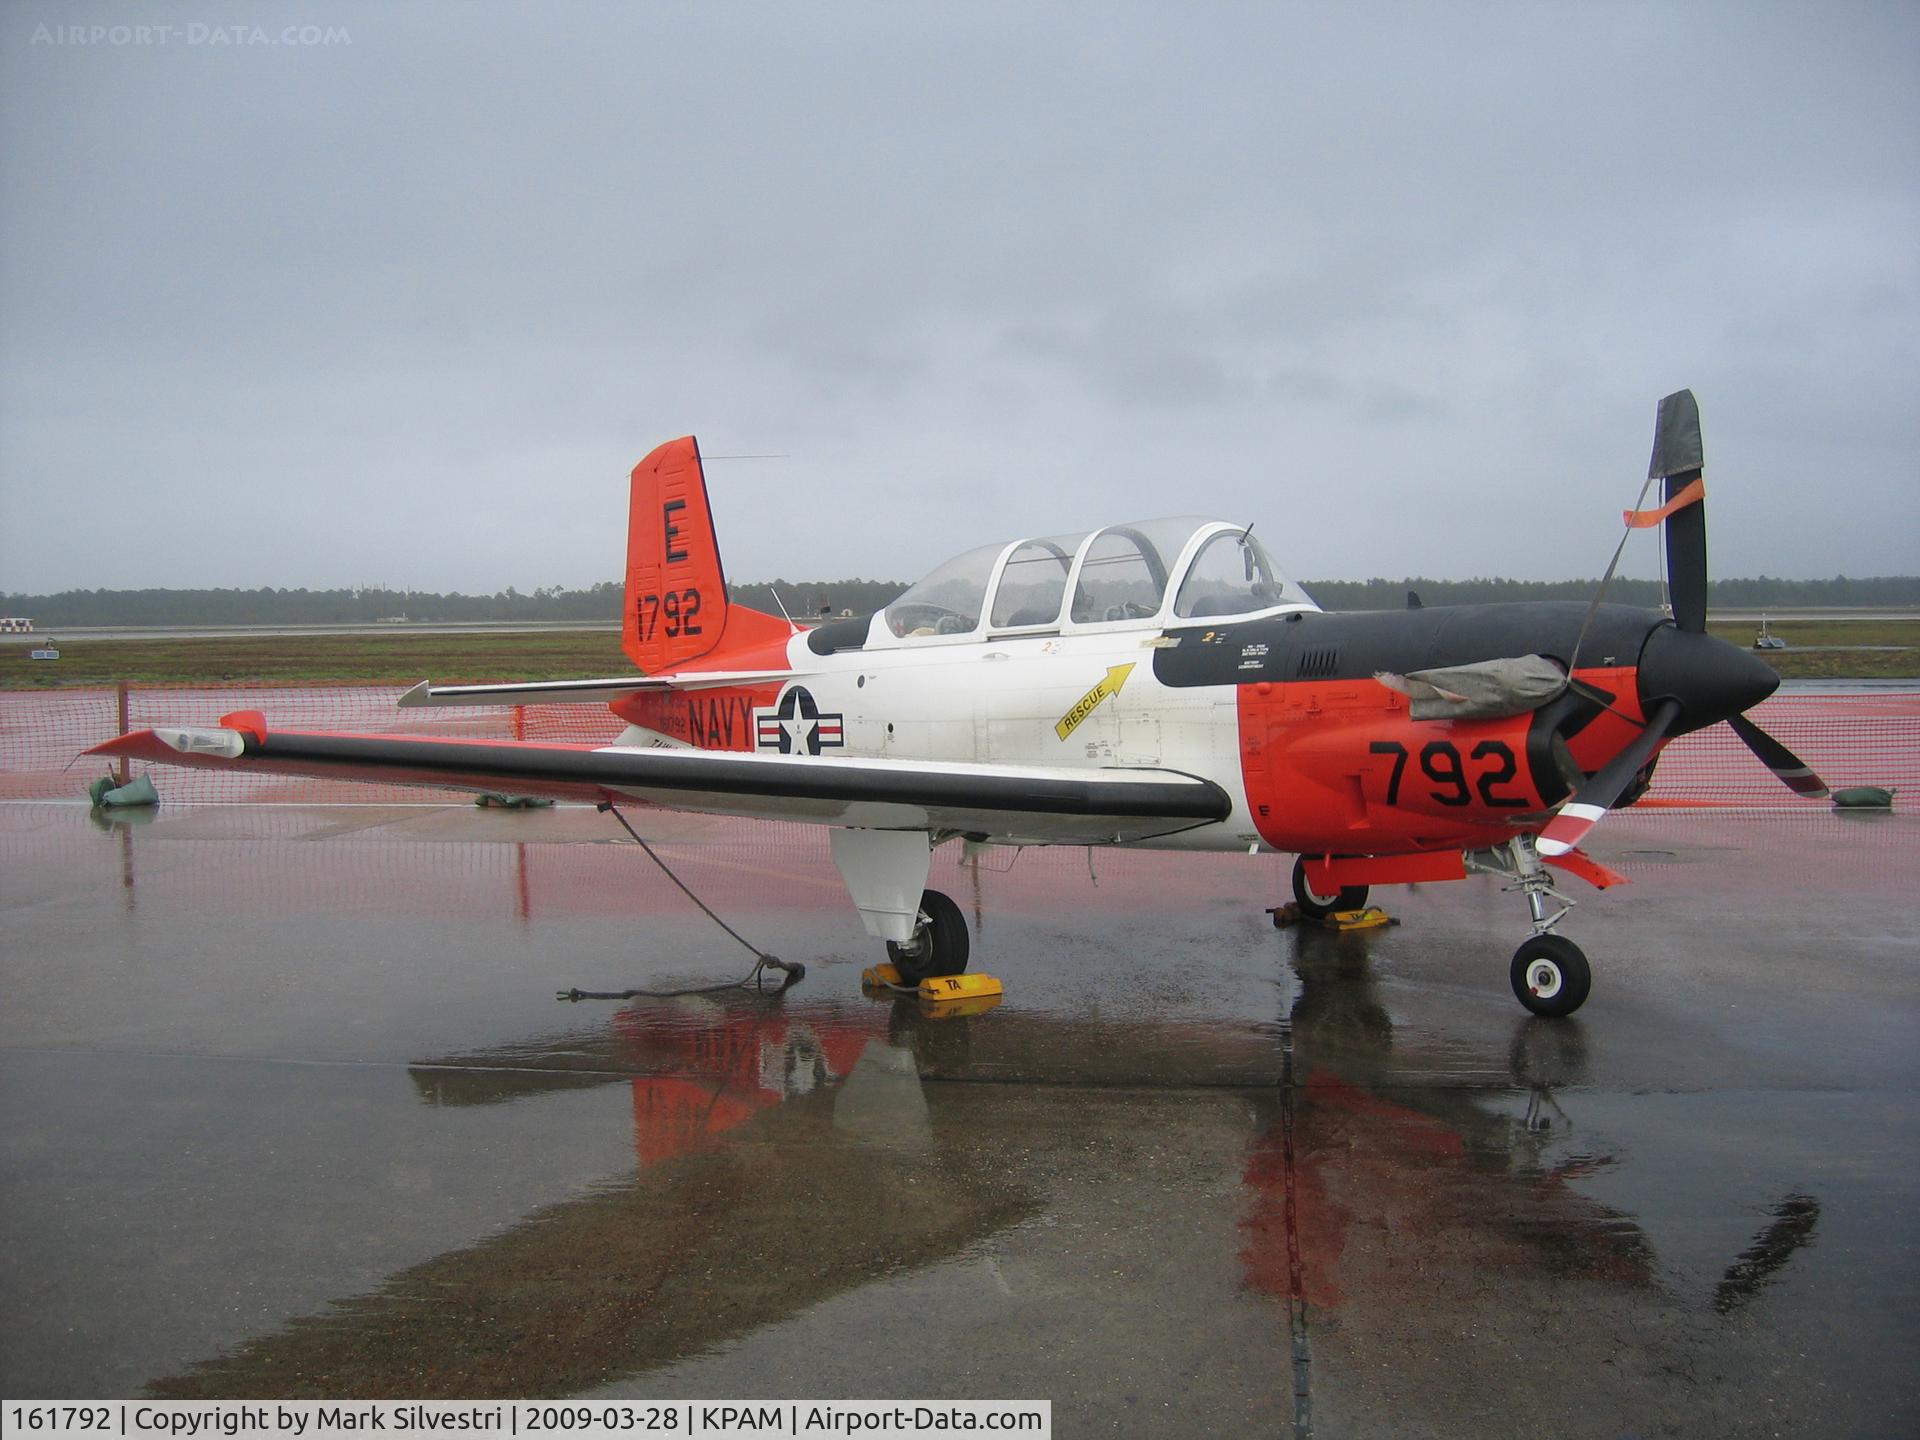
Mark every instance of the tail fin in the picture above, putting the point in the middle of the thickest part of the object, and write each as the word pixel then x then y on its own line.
pixel 676 602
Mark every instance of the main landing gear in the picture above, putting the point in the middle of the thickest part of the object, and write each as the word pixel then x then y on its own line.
pixel 1319 907
pixel 939 943
pixel 1549 973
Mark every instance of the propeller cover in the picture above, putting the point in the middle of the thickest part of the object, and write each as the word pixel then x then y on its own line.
pixel 1676 437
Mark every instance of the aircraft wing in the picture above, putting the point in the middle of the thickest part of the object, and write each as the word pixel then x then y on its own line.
pixel 1018 803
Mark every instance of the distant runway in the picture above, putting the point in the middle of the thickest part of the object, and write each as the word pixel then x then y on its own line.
pixel 74 633
pixel 1759 613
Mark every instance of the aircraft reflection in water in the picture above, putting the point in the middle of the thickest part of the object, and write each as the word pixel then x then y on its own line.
pixel 792 1151
pixel 1404 1177
pixel 785 1158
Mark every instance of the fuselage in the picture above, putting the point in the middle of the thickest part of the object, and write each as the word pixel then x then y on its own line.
pixel 1282 711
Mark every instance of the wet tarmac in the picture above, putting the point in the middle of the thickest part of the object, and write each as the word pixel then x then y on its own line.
pixel 291 1110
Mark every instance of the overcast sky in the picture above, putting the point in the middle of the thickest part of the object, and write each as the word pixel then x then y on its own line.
pixel 1401 283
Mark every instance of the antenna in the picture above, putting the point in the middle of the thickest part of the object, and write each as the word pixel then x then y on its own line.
pixel 792 629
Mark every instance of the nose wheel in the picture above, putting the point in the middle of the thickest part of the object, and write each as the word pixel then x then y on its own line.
pixel 939 944
pixel 1550 975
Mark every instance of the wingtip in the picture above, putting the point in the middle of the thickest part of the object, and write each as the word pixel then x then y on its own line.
pixel 421 694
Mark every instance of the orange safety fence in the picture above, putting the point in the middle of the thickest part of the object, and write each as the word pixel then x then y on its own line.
pixel 775 882
pixel 380 872
pixel 1848 738
pixel 41 731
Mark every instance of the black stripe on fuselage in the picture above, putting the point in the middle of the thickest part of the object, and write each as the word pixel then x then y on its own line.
pixel 697 773
pixel 1356 644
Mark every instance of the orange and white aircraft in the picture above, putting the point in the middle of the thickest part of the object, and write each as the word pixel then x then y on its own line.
pixel 1157 685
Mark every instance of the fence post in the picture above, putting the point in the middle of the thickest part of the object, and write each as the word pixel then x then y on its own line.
pixel 519 722
pixel 126 766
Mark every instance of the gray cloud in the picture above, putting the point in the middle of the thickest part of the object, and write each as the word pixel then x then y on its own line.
pixel 1400 283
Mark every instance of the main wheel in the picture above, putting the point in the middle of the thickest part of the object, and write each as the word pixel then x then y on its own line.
pixel 939 944
pixel 1550 975
pixel 1319 907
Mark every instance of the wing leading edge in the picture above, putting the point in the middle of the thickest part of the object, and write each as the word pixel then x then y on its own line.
pixel 1039 804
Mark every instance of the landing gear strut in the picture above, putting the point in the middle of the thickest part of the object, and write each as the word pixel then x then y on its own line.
pixel 939 944
pixel 1549 974
pixel 1319 907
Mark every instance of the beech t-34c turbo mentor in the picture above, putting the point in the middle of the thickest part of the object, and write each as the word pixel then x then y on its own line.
pixel 1158 685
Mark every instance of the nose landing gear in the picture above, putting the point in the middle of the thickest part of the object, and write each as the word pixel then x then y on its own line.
pixel 1549 973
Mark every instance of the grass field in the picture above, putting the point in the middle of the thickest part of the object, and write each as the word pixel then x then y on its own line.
pixel 571 654
pixel 1900 661
pixel 315 659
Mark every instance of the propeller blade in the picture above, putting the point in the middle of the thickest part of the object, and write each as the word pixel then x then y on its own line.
pixel 1792 771
pixel 1677 459
pixel 1593 799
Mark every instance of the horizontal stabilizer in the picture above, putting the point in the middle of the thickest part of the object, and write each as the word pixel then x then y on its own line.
pixel 582 692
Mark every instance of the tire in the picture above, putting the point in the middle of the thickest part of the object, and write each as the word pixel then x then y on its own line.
pixel 1319 907
pixel 939 945
pixel 1550 975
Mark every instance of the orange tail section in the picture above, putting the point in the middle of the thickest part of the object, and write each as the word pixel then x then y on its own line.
pixel 676 602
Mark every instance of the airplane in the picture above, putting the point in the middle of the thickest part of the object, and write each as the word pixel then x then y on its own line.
pixel 1151 685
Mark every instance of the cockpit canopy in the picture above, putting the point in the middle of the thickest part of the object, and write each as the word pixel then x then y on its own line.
pixel 1182 568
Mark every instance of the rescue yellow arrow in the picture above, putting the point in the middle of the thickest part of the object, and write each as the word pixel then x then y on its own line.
pixel 1109 685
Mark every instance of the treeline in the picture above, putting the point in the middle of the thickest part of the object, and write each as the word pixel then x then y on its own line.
pixel 370 604
pixel 1757 592
pixel 805 600
pixel 269 606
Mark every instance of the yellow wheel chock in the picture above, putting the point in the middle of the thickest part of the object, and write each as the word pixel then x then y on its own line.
pixel 1370 918
pixel 940 996
pixel 960 987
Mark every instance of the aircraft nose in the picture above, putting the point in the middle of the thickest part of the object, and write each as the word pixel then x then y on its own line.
pixel 1711 679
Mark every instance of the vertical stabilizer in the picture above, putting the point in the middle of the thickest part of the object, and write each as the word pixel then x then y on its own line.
pixel 676 610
